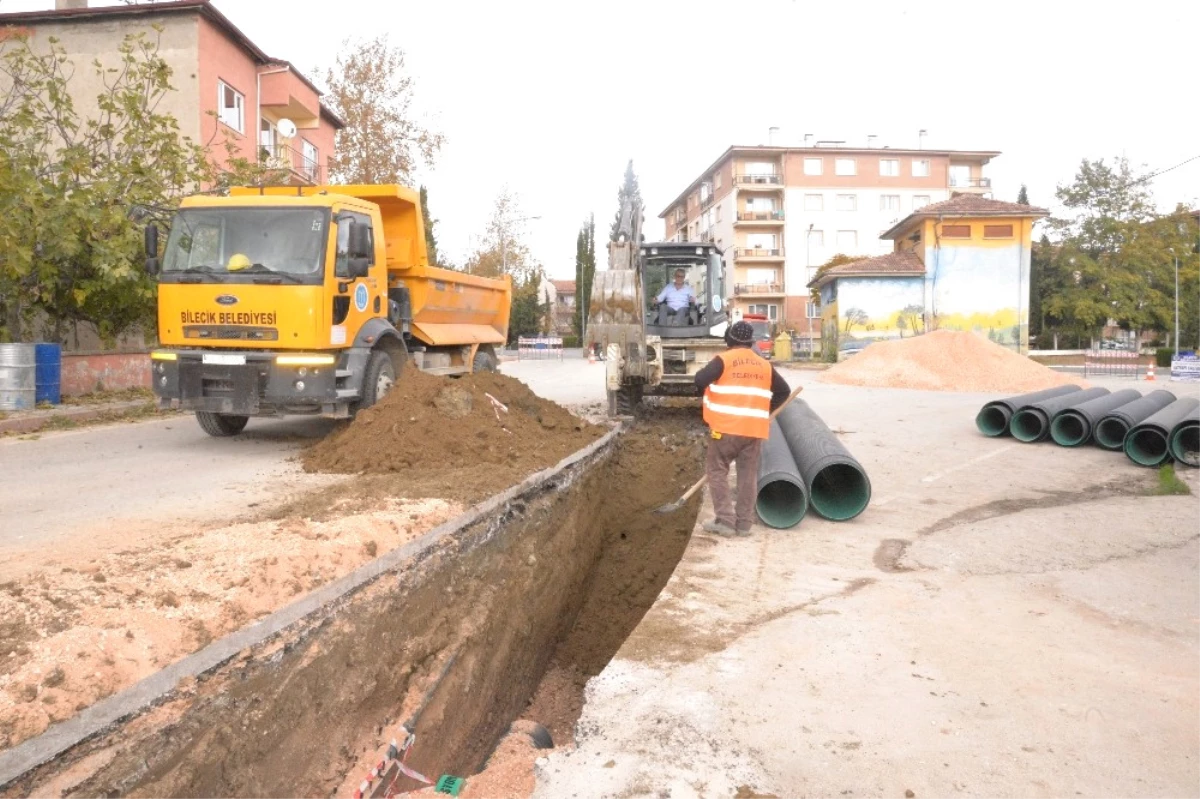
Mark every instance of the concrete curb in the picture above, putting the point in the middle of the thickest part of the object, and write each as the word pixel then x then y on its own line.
pixel 129 703
pixel 33 421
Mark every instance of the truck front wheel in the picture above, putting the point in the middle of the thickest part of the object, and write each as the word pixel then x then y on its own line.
pixel 221 425
pixel 378 380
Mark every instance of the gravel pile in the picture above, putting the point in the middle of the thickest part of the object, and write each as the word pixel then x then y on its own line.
pixel 944 360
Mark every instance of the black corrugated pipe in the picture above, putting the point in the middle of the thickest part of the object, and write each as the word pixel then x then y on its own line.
pixel 1072 427
pixel 1031 422
pixel 1148 443
pixel 1185 441
pixel 838 488
pixel 1110 431
pixel 782 495
pixel 993 418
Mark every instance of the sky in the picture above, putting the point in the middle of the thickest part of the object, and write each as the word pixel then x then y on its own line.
pixel 551 99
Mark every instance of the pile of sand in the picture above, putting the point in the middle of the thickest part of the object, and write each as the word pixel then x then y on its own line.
pixel 944 360
pixel 448 439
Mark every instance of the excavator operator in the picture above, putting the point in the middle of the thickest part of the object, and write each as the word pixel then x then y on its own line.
pixel 678 296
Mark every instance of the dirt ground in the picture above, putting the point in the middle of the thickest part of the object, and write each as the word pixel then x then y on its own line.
pixel 1003 620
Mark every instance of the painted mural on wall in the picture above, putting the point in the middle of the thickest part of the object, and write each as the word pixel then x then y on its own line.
pixel 981 289
pixel 880 307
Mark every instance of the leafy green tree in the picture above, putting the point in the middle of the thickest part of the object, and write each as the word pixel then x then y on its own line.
pixel 525 318
pixel 629 191
pixel 430 238
pixel 503 251
pixel 73 177
pixel 1023 196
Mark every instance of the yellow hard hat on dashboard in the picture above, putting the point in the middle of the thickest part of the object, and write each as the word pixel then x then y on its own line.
pixel 238 262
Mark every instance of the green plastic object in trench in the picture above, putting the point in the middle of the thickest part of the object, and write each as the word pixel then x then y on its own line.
pixel 1147 446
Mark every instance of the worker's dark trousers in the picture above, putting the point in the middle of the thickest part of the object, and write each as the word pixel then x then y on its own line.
pixel 744 452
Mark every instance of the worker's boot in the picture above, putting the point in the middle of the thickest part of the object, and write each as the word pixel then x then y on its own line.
pixel 719 528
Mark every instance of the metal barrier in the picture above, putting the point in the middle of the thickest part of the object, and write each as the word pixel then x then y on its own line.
pixel 1114 363
pixel 539 347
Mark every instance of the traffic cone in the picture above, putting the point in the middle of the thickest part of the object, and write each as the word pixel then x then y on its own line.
pixel 591 355
pixel 1150 372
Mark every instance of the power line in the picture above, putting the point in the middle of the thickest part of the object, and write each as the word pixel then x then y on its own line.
pixel 1153 175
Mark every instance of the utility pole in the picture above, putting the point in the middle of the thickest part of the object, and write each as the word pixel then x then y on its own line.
pixel 1176 300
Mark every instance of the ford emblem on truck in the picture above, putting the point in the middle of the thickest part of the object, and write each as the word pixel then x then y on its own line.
pixel 226 299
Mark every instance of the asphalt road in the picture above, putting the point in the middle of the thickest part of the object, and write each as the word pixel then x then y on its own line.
pixel 141 476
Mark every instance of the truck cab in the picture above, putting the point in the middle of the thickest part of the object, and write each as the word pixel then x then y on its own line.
pixel 309 300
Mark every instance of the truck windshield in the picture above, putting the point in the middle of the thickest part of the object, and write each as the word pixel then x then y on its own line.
pixel 248 244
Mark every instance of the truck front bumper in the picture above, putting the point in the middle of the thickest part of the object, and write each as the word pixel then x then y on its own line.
pixel 244 383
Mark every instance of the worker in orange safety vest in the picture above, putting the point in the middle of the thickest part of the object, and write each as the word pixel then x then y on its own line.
pixel 741 388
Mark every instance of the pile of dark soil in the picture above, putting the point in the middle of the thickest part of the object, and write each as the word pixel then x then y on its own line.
pixel 446 438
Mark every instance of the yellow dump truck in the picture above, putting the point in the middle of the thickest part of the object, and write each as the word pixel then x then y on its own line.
pixel 309 300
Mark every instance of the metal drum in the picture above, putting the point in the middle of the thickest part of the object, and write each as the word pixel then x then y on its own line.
pixel 49 373
pixel 18 376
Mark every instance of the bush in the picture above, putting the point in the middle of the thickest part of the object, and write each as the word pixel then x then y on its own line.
pixel 1162 357
pixel 570 342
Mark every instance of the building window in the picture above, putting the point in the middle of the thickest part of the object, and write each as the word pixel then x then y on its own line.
pixel 770 311
pixel 920 167
pixel 847 241
pixel 814 202
pixel 761 241
pixel 717 180
pixel 760 168
pixel 960 175
pixel 889 167
pixel 889 202
pixel 718 216
pixel 845 166
pixel 231 107
pixel 814 166
pixel 846 202
pixel 956 231
pixel 920 201
pixel 759 277
pixel 816 238
pixel 310 153
pixel 812 309
pixel 705 192
pixel 997 231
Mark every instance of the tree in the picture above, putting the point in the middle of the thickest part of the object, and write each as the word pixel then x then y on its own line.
pixel 382 142
pixel 1023 196
pixel 629 191
pixel 430 238
pixel 837 260
pixel 911 317
pixel 70 240
pixel 547 313
pixel 854 316
pixel 585 272
pixel 502 251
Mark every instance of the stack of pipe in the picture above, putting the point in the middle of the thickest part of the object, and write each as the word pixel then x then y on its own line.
pixel 1151 429
pixel 803 466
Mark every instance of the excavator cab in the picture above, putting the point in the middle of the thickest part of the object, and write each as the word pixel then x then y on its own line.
pixel 673 270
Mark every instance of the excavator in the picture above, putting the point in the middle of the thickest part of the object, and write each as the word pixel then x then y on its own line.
pixel 647 348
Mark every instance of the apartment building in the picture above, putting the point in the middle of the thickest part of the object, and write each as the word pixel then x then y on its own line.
pixel 781 212
pixel 227 88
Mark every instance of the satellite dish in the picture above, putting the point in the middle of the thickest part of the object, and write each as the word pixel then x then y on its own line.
pixel 286 128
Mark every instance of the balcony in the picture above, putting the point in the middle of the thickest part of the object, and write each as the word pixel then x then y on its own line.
pixel 774 218
pixel 757 289
pixel 970 184
pixel 758 181
pixel 289 166
pixel 757 254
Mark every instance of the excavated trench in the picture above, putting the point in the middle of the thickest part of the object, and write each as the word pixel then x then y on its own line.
pixel 453 641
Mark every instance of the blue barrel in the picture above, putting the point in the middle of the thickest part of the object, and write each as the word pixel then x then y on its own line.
pixel 48 359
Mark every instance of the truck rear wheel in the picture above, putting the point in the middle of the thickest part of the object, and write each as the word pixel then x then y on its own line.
pixel 485 361
pixel 378 380
pixel 221 425
pixel 624 401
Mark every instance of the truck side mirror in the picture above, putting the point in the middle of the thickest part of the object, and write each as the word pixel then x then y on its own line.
pixel 359 241
pixel 152 249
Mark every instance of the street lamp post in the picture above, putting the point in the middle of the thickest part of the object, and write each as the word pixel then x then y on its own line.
pixel 1176 300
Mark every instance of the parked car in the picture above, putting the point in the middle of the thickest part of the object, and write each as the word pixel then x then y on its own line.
pixel 853 346
pixel 764 344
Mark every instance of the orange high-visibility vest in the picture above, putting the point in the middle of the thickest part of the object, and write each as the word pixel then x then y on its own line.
pixel 738 403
